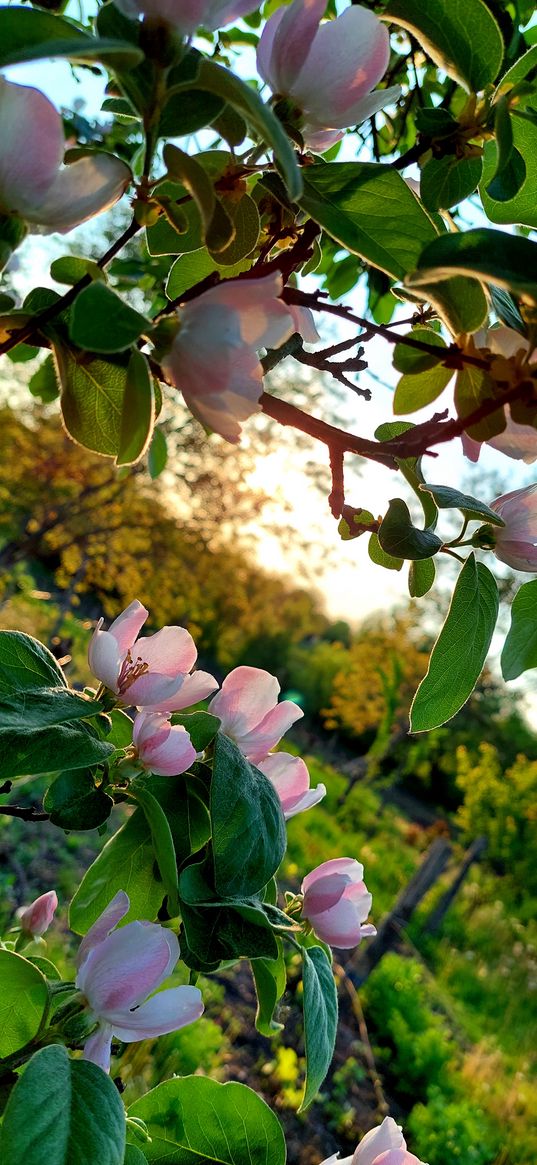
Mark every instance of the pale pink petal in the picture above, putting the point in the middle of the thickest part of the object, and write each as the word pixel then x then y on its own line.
pixel 80 191
pixel 503 341
pixel 173 756
pixel 224 413
pixel 361 899
pixel 517 441
pixel 186 16
pixel 114 912
pixel 338 926
pixel 325 894
pixel 356 113
pixel 194 688
pixel 518 555
pixel 33 146
pixel 128 625
pixel 386 1136
pixel 200 362
pixel 471 448
pixel 104 657
pixel 97 1048
pixel 171 652
pixel 127 966
pixel 353 870
pixel 351 55
pixel 265 736
pixel 397 1157
pixel 166 1012
pixel 36 918
pixel 320 140
pixel 150 729
pixel 288 43
pixel 311 798
pixel 304 323
pixel 150 689
pixel 288 774
pixel 246 696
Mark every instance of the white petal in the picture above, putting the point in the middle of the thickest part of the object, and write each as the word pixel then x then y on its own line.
pixel 81 191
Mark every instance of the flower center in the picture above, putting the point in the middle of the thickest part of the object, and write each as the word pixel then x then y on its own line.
pixel 131 670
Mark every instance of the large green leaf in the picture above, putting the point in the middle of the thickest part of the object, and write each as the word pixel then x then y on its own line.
pixel 249 837
pixel 196 1121
pixel 217 930
pixel 371 211
pixel 127 862
pixel 520 648
pixel 460 36
pixel 506 260
pixel 460 651
pixel 161 836
pixel 92 393
pixel 74 801
pixel 23 1002
pixel 522 207
pixel 320 1019
pixel 447 498
pixel 29 34
pixel 101 321
pixel 399 538
pixel 26 664
pixel 44 707
pixel 47 750
pixel 138 414
pixel 447 181
pixel 63 1112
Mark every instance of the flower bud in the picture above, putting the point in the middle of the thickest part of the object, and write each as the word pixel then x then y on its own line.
pixel 35 919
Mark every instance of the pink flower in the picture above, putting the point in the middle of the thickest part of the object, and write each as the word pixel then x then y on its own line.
pixel 327 70
pixel 250 714
pixel 163 748
pixel 384 1145
pixel 291 779
pixel 213 359
pixel 516 441
pixel 516 542
pixel 150 672
pixel 188 15
pixel 337 902
pixel 33 183
pixel 35 919
pixel 118 969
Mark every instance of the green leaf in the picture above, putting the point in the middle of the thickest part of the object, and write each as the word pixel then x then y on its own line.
pixel 460 36
pixel 506 260
pixel 399 538
pixel 102 322
pixel 460 651
pixel 249 836
pixel 215 79
pixel 520 648
pixel 244 216
pixel 70 268
pixel 186 812
pixel 92 392
pixel 447 181
pixel 460 302
pixel 158 454
pixel 320 1019
pixel 134 1156
pixel 127 863
pixel 521 206
pixel 201 727
pixel 46 750
pixel 185 169
pixel 447 498
pixel 44 383
pixel 506 309
pixel 196 1121
pixel 412 360
pixel 371 211
pixel 473 386
pixel 29 34
pixel 188 111
pixel 44 707
pixel 414 392
pixel 163 238
pixel 120 733
pixel 24 999
pixel 161 837
pixel 379 556
pixel 217 930
pixel 138 412
pixel 270 978
pixel 421 576
pixel 191 268
pixel 73 801
pixel 26 664
pixel 63 1112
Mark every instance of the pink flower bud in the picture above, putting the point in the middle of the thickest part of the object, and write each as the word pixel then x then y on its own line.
pixel 118 970
pixel 35 919
pixel 328 70
pixel 151 672
pixel 213 359
pixel 33 182
pixel 163 748
pixel 516 542
pixel 337 902
pixel 384 1145
pixel 291 779
pixel 188 15
pixel 250 714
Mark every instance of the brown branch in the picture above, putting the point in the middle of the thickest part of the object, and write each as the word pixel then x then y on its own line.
pixel 24 812
pixel 336 499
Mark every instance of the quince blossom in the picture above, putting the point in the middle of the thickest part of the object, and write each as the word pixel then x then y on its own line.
pixel 247 705
pixel 337 902
pixel 384 1145
pixel 327 70
pixel 151 672
pixel 163 748
pixel 35 919
pixel 213 359
pixel 290 777
pixel 516 441
pixel 33 183
pixel 516 542
pixel 118 970
pixel 185 16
